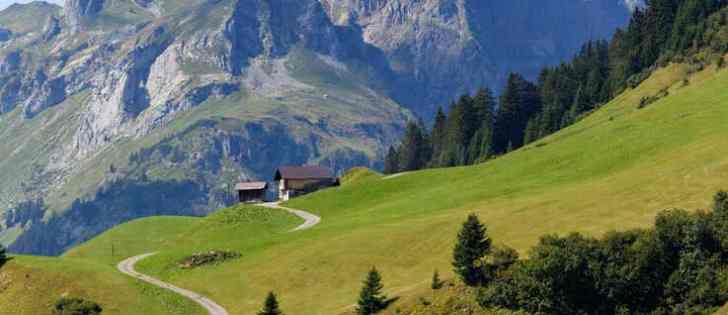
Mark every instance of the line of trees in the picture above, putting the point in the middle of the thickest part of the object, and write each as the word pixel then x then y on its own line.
pixel 371 299
pixel 475 129
pixel 677 267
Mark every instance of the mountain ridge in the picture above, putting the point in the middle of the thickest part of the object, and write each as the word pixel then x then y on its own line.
pixel 194 86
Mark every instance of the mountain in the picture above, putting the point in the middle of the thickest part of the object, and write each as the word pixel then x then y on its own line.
pixel 114 110
pixel 444 48
pixel 614 170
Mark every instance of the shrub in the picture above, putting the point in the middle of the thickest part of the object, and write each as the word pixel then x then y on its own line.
pixel 677 267
pixel 499 260
pixel 436 282
pixel 76 306
pixel 211 257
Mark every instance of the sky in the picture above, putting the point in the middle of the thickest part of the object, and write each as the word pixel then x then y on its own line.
pixel 6 3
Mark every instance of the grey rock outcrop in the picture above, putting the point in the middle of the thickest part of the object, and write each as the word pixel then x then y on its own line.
pixel 443 48
pixel 77 12
pixel 51 28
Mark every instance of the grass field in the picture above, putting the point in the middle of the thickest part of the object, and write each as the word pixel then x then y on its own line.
pixel 614 170
pixel 31 285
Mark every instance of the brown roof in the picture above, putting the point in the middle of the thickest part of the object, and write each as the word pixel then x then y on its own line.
pixel 303 172
pixel 251 186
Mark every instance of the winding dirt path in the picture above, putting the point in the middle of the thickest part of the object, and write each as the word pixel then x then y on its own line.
pixel 127 266
pixel 310 220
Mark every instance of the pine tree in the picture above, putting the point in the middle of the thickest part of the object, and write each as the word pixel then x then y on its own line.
pixel 391 161
pixel 484 106
pixel 471 120
pixel 532 133
pixel 436 282
pixel 578 107
pixel 472 246
pixel 371 299
pixel 479 146
pixel 519 103
pixel 412 153
pixel 438 138
pixel 455 139
pixel 271 306
pixel 484 110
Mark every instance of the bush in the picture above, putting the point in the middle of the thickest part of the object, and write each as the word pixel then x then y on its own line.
pixel 211 257
pixel 678 267
pixel 647 100
pixel 436 282
pixel 499 260
pixel 76 306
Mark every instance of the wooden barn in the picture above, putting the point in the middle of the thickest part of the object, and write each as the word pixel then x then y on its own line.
pixel 251 192
pixel 300 180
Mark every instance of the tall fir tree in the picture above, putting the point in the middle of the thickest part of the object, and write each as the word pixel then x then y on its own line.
pixel 484 110
pixel 484 106
pixel 270 307
pixel 532 132
pixel 470 119
pixel 453 148
pixel 455 124
pixel 391 161
pixel 438 138
pixel 519 103
pixel 371 299
pixel 413 151
pixel 473 244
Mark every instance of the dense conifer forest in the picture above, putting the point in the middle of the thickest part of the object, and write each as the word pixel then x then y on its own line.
pixel 478 127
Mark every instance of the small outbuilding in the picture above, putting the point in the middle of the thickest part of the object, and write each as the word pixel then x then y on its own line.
pixel 300 180
pixel 251 192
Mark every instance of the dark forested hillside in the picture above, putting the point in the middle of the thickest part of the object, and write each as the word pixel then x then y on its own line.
pixel 663 31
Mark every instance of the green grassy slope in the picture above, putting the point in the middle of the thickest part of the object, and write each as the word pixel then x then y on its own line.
pixel 614 170
pixel 31 285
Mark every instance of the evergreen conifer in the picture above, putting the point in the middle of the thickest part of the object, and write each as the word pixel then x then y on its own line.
pixel 271 306
pixel 371 299
pixel 472 246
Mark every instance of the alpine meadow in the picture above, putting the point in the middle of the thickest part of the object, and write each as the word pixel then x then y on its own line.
pixel 360 157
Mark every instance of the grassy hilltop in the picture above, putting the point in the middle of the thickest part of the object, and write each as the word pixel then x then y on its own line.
pixel 612 171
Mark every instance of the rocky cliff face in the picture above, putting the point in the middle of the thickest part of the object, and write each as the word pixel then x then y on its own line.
pixel 104 99
pixel 78 12
pixel 444 47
